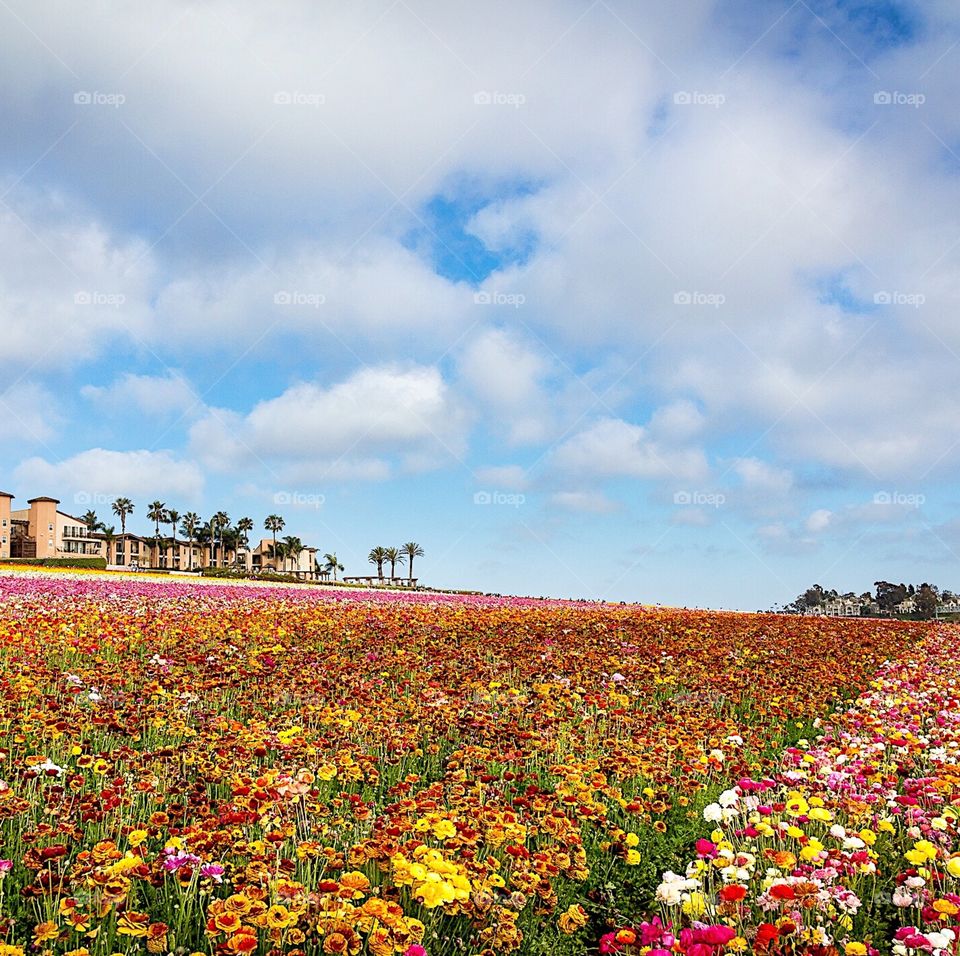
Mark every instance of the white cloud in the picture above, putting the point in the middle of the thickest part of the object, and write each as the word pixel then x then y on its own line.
pixel 30 413
pixel 357 428
pixel 68 284
pixel 99 471
pixel 591 502
pixel 613 448
pixel 156 395
pixel 511 477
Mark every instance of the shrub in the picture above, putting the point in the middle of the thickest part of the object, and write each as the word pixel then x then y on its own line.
pixel 78 562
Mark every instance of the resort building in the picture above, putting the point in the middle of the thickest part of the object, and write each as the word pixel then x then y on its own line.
pixel 43 531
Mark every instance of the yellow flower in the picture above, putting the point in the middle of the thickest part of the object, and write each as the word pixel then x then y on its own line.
pixel 855 949
pixel 633 857
pixel 444 830
pixel 133 924
pixel 868 837
pixel 946 908
pixel 137 837
pixel 953 867
pixel 573 919
pixel 696 906
pixel 631 839
pixel 922 851
pixel 435 891
pixel 44 932
pixel 796 805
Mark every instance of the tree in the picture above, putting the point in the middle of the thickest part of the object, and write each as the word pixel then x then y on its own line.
pixel 244 527
pixel 109 536
pixel 122 507
pixel 173 516
pixel 333 565
pixel 927 600
pixel 293 548
pixel 377 556
pixel 394 556
pixel 191 524
pixel 91 521
pixel 274 523
pixel 412 550
pixel 889 595
pixel 218 522
pixel 157 512
pixel 278 551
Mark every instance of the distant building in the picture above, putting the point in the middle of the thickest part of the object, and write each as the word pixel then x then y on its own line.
pixel 44 531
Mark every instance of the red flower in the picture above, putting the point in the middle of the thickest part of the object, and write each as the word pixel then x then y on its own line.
pixel 733 894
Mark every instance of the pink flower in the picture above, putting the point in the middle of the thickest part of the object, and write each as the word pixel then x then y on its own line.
pixel 414 949
pixel 5 867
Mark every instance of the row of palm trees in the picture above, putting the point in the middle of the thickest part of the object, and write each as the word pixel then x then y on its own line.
pixel 222 538
pixel 394 556
pixel 218 534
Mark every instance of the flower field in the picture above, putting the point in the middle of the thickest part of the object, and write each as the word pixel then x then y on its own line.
pixel 232 769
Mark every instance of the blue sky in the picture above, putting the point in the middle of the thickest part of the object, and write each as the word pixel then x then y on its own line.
pixel 588 298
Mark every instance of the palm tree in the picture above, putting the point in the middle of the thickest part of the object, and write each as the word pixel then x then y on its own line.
pixel 220 521
pixel 278 551
pixel 377 556
pixel 109 535
pixel 191 523
pixel 121 508
pixel 91 521
pixel 412 550
pixel 333 564
pixel 394 556
pixel 229 542
pixel 171 518
pixel 157 512
pixel 274 523
pixel 293 548
pixel 244 527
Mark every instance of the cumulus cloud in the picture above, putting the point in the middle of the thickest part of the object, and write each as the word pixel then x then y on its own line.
pixel 156 395
pixel 30 413
pixel 358 428
pixel 613 448
pixel 103 472
pixel 591 502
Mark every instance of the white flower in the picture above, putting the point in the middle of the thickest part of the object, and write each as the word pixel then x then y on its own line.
pixel 837 832
pixel 49 765
pixel 713 813
pixel 94 696
pixel 728 798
